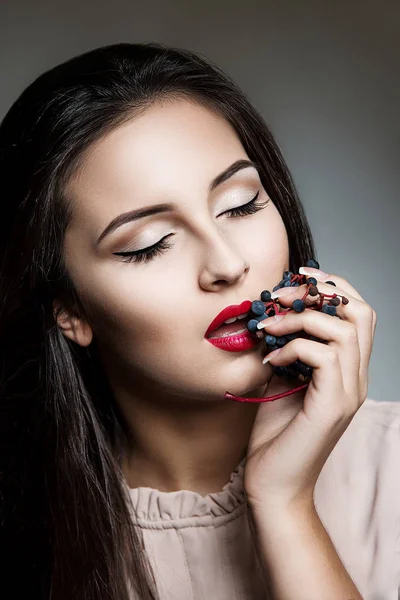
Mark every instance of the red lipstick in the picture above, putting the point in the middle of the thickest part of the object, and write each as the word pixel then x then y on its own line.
pixel 232 342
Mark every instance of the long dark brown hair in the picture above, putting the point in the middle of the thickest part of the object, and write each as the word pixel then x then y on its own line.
pixel 66 527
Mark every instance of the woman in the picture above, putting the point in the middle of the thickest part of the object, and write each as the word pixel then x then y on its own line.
pixel 117 439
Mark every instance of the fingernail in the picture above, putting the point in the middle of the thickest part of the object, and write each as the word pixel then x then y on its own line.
pixel 321 275
pixel 271 355
pixel 287 291
pixel 270 321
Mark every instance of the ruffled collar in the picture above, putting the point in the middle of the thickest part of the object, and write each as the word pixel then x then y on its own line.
pixel 156 509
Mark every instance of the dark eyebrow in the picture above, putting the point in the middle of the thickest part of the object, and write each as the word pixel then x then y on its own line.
pixel 133 215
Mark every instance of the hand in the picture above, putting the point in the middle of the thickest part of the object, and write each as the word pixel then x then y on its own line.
pixel 292 437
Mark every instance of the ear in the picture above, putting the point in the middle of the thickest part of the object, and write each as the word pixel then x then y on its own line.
pixel 72 327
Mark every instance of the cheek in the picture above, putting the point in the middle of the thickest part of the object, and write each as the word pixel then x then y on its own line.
pixel 138 309
pixel 267 244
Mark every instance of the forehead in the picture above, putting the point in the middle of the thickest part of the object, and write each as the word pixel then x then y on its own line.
pixel 169 147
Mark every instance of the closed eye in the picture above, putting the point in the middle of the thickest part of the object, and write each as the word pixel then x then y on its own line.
pixel 247 209
pixel 147 254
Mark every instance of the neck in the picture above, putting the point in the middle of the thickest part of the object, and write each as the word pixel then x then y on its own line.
pixel 184 444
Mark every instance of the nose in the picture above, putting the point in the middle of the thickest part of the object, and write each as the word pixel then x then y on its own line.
pixel 223 264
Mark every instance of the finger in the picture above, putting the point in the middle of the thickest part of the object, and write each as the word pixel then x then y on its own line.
pixel 286 297
pixel 339 281
pixel 327 373
pixel 357 311
pixel 340 335
pixel 371 318
pixel 363 317
pixel 344 285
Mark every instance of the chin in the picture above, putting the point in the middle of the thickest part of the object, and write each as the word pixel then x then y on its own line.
pixel 246 382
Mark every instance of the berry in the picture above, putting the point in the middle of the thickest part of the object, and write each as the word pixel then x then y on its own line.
pixel 303 368
pixel 329 310
pixel 261 317
pixel 312 280
pixel 257 307
pixel 291 336
pixel 272 348
pixel 279 370
pixel 298 306
pixel 252 325
pixel 291 372
pixel 312 263
pixel 298 369
pixel 265 296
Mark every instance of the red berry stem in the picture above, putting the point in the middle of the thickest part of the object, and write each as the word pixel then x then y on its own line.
pixel 229 396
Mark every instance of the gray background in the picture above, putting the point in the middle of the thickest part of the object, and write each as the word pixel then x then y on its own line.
pixel 325 75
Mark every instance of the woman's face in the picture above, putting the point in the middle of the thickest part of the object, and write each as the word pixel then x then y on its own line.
pixel 149 318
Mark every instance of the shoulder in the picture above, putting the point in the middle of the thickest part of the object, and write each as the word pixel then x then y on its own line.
pixel 357 497
pixel 372 440
pixel 375 428
pixel 384 413
pixel 370 447
pixel 362 473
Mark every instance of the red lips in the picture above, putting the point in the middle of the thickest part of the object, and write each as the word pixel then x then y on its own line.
pixel 233 310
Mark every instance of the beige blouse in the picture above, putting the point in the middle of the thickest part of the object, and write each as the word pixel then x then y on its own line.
pixel 201 547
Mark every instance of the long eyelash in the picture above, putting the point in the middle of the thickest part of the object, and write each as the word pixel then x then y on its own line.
pixel 145 255
pixel 247 209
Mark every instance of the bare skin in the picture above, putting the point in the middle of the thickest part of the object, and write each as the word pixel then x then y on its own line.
pixel 149 318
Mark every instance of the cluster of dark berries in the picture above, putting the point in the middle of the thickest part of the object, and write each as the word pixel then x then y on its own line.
pixel 265 307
